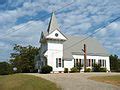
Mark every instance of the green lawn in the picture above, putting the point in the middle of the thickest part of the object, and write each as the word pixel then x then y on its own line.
pixel 25 82
pixel 115 80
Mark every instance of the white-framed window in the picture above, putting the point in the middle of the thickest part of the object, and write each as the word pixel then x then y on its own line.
pixel 93 62
pixel 80 62
pixel 105 63
pixel 89 62
pixel 102 62
pixel 59 62
pixel 77 62
pixel 99 62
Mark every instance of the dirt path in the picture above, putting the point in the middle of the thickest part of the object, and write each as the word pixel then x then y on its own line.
pixel 79 81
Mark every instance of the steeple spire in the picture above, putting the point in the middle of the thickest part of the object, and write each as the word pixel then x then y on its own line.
pixel 53 23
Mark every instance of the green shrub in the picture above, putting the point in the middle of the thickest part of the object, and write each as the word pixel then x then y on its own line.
pixel 74 69
pixel 103 69
pixel 96 68
pixel 46 69
pixel 65 70
pixel 79 67
pixel 5 68
pixel 88 70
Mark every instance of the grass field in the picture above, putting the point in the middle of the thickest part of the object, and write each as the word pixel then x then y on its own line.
pixel 115 80
pixel 25 82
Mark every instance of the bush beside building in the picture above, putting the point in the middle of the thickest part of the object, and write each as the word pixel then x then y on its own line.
pixel 5 68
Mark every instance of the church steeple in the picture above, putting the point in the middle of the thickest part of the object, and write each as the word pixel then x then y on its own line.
pixel 52 24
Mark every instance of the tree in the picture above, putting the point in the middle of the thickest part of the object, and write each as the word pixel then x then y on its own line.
pixel 23 58
pixel 114 63
pixel 5 68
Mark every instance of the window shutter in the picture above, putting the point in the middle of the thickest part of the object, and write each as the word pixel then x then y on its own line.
pixel 56 62
pixel 100 62
pixel 105 63
pixel 79 62
pixel 89 63
pixel 94 61
pixel 74 62
pixel 62 63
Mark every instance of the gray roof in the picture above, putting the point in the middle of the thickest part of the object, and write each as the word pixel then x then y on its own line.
pixel 73 46
pixel 53 25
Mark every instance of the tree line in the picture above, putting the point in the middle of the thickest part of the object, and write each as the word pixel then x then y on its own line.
pixel 23 60
pixel 114 63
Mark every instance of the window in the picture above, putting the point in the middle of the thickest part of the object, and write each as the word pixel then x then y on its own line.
pixel 76 62
pixel 99 62
pixel 80 62
pixel 93 62
pixel 59 62
pixel 89 62
pixel 105 63
pixel 102 62
pixel 56 34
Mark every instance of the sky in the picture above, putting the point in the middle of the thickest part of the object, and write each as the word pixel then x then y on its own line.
pixel 21 21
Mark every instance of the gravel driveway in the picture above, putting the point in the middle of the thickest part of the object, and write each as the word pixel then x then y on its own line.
pixel 78 81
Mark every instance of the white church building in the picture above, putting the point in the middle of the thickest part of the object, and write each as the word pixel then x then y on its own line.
pixel 64 51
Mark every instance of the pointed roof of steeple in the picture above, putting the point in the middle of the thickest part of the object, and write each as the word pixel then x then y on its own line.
pixel 53 25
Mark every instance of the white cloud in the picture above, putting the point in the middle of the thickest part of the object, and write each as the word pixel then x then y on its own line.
pixel 78 18
pixel 110 37
pixel 115 26
pixel 29 34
